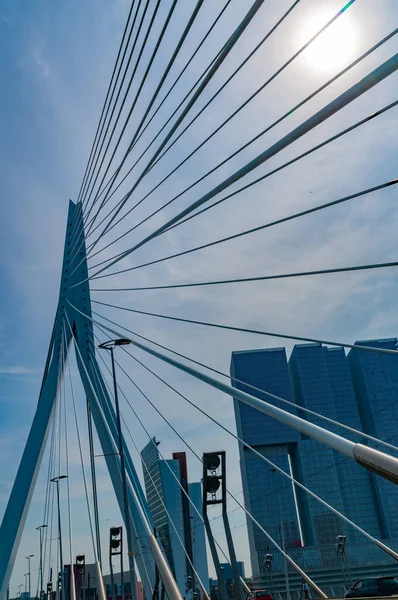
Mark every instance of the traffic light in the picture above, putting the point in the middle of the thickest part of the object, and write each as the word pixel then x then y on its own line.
pixel 49 588
pixel 115 541
pixel 340 544
pixel 213 477
pixel 60 580
pixel 81 563
pixel 268 560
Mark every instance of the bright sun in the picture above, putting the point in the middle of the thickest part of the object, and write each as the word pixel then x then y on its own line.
pixel 334 47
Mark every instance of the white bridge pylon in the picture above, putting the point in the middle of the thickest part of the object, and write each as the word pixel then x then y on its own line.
pixel 103 416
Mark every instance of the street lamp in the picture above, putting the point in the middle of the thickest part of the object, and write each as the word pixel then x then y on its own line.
pixel 110 345
pixel 57 480
pixel 28 559
pixel 40 529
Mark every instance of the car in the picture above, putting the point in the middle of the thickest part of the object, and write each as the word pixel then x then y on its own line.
pixel 374 586
pixel 259 595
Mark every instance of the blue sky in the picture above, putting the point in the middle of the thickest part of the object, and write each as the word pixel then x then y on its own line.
pixel 57 61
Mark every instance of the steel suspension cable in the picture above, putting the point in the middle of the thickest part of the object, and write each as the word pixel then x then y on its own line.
pixel 354 268
pixel 259 390
pixel 312 452
pixel 169 92
pixel 53 474
pixel 280 70
pixel 124 395
pixel 125 96
pixel 369 81
pixel 174 363
pixel 241 329
pixel 156 92
pixel 259 455
pixel 249 386
pixel 93 166
pixel 89 379
pixel 100 380
pixel 236 71
pixel 235 153
pixel 258 228
pixel 308 579
pixel 156 488
pixel 182 102
pixel 216 65
pixel 233 114
pixel 104 112
pixel 116 173
pixel 252 183
pixel 150 438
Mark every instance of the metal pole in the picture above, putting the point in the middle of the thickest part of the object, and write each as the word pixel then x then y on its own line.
pixel 121 565
pixel 222 588
pixel 231 548
pixel 133 582
pixel 29 588
pixel 112 579
pixel 41 563
pixel 61 562
pixel 40 529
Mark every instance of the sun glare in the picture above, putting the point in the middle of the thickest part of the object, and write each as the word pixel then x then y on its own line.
pixel 334 47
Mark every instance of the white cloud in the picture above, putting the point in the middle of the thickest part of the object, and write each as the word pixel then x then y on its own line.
pixel 17 370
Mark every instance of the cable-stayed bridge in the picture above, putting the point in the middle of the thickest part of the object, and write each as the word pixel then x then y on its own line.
pixel 168 148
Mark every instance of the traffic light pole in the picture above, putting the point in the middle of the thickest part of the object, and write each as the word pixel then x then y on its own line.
pixel 208 489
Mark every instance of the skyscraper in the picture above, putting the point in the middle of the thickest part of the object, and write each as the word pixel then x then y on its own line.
pixel 321 382
pixel 268 497
pixel 164 501
pixel 169 506
pixel 319 379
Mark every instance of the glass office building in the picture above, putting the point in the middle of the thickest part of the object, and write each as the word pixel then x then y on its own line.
pixel 161 493
pixel 322 380
pixel 167 506
pixel 268 496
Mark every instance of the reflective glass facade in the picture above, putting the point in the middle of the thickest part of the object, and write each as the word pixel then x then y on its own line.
pixel 356 392
pixel 268 496
pixel 165 501
pixel 375 379
pixel 156 497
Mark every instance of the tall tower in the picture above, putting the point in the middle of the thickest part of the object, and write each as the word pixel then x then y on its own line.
pixel 268 496
pixel 321 382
